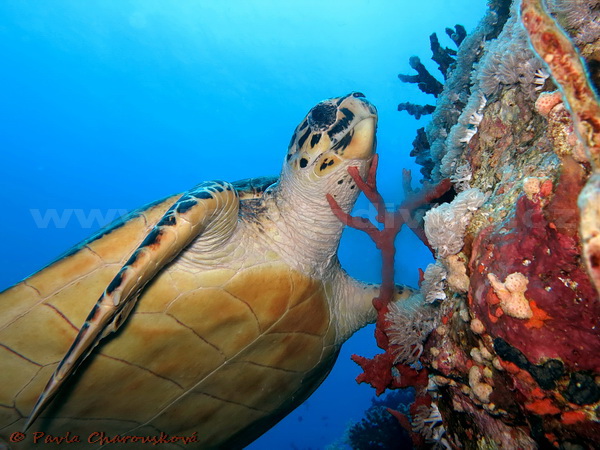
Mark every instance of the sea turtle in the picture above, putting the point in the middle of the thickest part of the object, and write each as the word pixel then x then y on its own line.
pixel 220 309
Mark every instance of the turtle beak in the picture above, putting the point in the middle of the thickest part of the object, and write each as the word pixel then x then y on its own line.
pixel 363 142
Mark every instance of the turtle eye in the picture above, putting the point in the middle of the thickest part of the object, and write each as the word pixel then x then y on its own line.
pixel 322 116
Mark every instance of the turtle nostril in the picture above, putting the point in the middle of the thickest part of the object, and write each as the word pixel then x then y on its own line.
pixel 322 116
pixel 358 95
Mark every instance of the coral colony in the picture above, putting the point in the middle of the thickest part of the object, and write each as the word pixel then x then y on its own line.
pixel 502 342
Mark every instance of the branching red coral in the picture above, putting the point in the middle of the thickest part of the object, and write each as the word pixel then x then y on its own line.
pixel 378 371
pixel 392 223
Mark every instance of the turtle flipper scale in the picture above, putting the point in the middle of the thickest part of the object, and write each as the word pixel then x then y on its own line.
pixel 207 205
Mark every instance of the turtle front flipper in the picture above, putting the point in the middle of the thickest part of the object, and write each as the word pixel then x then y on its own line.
pixel 207 206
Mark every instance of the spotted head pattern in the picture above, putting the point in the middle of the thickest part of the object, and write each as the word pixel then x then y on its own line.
pixel 335 131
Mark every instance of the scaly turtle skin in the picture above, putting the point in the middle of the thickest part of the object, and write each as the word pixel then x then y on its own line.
pixel 220 310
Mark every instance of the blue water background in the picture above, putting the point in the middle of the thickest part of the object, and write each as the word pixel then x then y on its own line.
pixel 107 105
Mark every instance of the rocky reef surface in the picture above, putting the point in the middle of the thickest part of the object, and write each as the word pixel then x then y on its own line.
pixel 503 341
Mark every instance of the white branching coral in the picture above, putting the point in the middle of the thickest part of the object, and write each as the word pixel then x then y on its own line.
pixel 509 61
pixel 462 133
pixel 461 177
pixel 411 321
pixel 433 283
pixel 581 18
pixel 445 225
pixel 468 134
pixel 428 422
pixel 540 79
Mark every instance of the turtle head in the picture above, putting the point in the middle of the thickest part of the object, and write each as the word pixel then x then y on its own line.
pixel 335 134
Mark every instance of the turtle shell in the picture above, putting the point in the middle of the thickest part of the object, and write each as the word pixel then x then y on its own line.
pixel 215 356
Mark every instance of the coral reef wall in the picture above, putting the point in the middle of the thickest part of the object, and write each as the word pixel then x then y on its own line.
pixel 516 362
pixel 513 360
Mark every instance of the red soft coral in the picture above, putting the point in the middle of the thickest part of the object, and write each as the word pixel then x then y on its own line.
pixel 378 371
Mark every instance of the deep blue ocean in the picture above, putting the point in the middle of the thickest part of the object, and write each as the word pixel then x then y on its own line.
pixel 106 105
